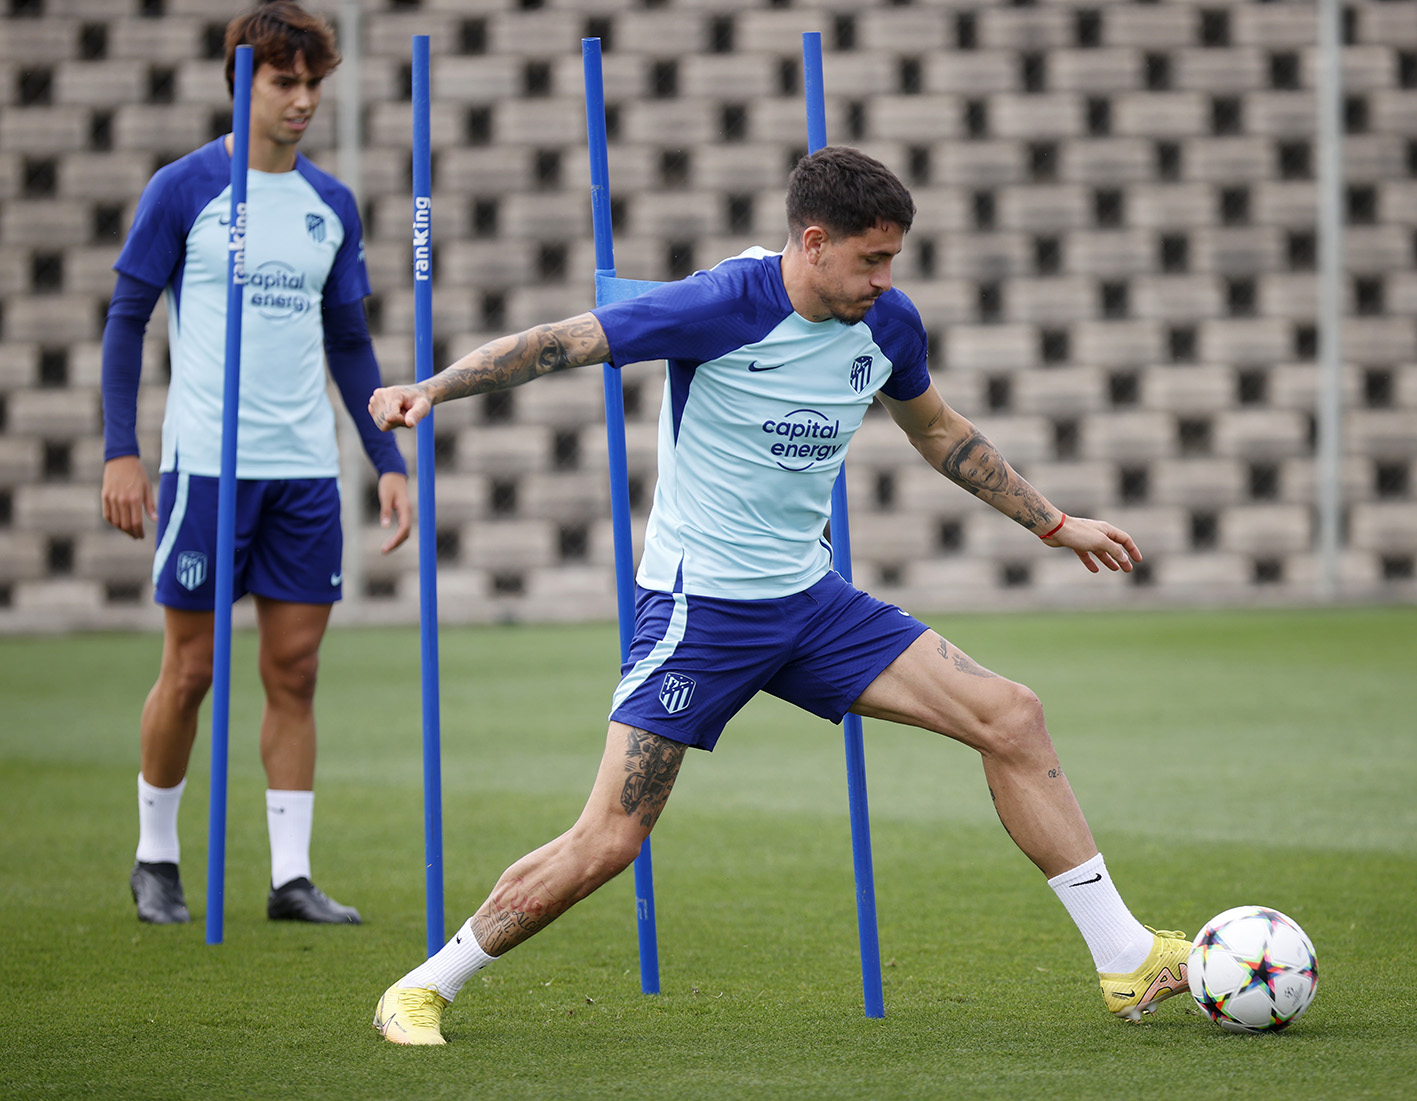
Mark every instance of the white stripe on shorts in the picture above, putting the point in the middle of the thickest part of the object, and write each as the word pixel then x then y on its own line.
pixel 174 525
pixel 663 650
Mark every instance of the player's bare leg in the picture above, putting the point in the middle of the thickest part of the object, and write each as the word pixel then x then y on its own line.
pixel 636 775
pixel 290 637
pixel 167 730
pixel 169 722
pixel 289 659
pixel 935 685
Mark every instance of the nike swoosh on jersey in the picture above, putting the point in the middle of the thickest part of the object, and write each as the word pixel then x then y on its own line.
pixel 755 368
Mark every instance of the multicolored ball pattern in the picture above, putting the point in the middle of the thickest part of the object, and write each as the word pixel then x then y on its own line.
pixel 1253 969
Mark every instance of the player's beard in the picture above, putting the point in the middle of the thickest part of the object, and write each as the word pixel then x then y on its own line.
pixel 846 308
pixel 850 313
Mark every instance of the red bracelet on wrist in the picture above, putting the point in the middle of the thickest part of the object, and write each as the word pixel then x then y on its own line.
pixel 1057 529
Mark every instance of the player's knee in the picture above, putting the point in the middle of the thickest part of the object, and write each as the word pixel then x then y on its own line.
pixel 607 853
pixel 620 853
pixel 291 675
pixel 186 674
pixel 189 684
pixel 1015 729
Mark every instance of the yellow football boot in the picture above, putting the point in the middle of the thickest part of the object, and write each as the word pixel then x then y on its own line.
pixel 410 1015
pixel 1161 975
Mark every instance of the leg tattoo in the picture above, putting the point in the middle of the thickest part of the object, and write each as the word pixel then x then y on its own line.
pixel 1008 831
pixel 523 902
pixel 651 766
pixel 515 911
pixel 963 662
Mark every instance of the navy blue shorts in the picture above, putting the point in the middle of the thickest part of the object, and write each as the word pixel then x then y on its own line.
pixel 696 660
pixel 288 541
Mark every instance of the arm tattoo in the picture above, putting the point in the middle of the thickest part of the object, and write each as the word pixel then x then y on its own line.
pixel 975 464
pixel 963 662
pixel 512 360
pixel 651 767
pixel 935 419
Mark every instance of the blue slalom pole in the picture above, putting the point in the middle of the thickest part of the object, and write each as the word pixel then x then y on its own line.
pixel 226 494
pixel 619 469
pixel 427 513
pixel 815 89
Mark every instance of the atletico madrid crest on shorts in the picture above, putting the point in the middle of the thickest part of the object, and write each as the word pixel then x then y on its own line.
pixel 676 692
pixel 191 569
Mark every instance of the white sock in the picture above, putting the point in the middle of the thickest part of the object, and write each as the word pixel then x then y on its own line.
pixel 157 823
pixel 456 962
pixel 289 818
pixel 1119 943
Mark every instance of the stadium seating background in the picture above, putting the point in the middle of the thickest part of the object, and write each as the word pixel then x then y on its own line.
pixel 1115 255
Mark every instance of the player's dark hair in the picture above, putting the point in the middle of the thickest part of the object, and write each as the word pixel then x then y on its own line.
pixel 846 193
pixel 277 31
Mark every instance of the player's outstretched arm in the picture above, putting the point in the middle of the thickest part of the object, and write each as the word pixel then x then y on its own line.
pixel 498 365
pixel 964 455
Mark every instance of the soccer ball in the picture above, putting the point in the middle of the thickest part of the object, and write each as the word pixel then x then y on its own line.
pixel 1252 969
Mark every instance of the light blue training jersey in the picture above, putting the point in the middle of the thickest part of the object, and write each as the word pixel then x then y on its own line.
pixel 759 407
pixel 303 251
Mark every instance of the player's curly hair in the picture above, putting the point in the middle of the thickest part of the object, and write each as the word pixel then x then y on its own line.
pixel 278 30
pixel 845 192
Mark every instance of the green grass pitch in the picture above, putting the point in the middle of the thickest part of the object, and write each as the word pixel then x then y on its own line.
pixel 1223 758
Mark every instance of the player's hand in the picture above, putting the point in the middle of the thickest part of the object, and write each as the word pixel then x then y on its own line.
pixel 398 407
pixel 1095 541
pixel 394 504
pixel 127 495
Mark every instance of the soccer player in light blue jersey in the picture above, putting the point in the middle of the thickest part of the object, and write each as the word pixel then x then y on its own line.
pixel 303 305
pixel 772 360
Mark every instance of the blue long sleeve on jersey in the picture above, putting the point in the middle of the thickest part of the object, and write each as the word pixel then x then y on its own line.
pixel 128 313
pixel 350 354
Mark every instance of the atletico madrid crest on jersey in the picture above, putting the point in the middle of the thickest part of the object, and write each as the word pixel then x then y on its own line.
pixel 861 372
pixel 676 692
